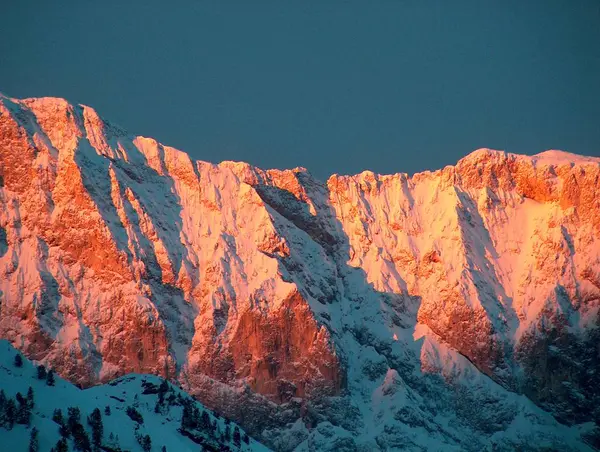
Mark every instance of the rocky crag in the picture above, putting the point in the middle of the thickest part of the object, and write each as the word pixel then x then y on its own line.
pixel 455 309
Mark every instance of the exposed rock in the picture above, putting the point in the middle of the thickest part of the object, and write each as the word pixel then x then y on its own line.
pixel 308 311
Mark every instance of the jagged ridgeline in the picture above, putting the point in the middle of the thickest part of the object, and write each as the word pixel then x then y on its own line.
pixel 447 310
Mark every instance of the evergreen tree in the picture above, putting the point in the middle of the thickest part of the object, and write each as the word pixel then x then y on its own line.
pixel 57 416
pixel 162 390
pixel 205 421
pixel 246 438
pixel 73 418
pixel 227 433
pixel 3 401
pixel 30 398
pixel 146 443
pixel 236 436
pixel 164 387
pixel 50 378
pixel 113 442
pixel 81 439
pixel 187 417
pixel 163 449
pixel 107 410
pixel 33 440
pixel 63 430
pixel 195 416
pixel 10 413
pixel 95 421
pixel 41 372
pixel 134 414
pixel 18 360
pixel 61 446
pixel 20 399
pixel 23 410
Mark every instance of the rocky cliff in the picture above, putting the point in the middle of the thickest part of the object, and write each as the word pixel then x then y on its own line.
pixel 457 308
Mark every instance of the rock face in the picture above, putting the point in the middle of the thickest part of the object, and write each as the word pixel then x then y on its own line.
pixel 370 312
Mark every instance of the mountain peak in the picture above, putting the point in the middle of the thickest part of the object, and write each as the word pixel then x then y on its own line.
pixel 484 152
pixel 557 157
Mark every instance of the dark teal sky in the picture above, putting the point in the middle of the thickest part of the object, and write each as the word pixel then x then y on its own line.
pixel 332 86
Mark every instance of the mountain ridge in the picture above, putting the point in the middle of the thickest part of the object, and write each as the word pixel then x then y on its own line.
pixel 558 155
pixel 290 304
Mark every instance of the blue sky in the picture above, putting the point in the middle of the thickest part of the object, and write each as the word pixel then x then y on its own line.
pixel 337 87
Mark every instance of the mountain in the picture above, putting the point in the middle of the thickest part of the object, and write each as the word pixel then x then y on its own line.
pixel 448 310
pixel 129 408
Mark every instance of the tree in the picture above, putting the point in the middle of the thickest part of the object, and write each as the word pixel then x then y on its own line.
pixel 236 436
pixel 195 416
pixel 162 390
pixel 34 442
pixel 63 431
pixel 30 399
pixel 3 401
pixel 113 441
pixel 10 413
pixel 146 443
pixel 187 417
pixel 81 439
pixel 73 418
pixel 50 378
pixel 246 438
pixel 41 372
pixel 164 387
pixel 23 411
pixel 205 421
pixel 61 446
pixel 95 421
pixel 134 414
pixel 107 410
pixel 57 416
pixel 163 449
pixel 20 399
pixel 18 360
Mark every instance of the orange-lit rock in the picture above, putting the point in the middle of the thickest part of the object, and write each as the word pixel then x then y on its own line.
pixel 274 297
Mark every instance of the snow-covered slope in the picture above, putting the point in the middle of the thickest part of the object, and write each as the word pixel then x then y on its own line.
pixel 140 392
pixel 367 312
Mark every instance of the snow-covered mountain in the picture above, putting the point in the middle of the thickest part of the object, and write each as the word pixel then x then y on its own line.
pixel 129 408
pixel 448 310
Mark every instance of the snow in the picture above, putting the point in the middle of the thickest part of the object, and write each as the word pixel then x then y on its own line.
pixel 556 157
pixel 550 157
pixel 118 395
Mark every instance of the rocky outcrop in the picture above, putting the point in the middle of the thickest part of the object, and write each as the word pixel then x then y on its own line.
pixel 347 314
